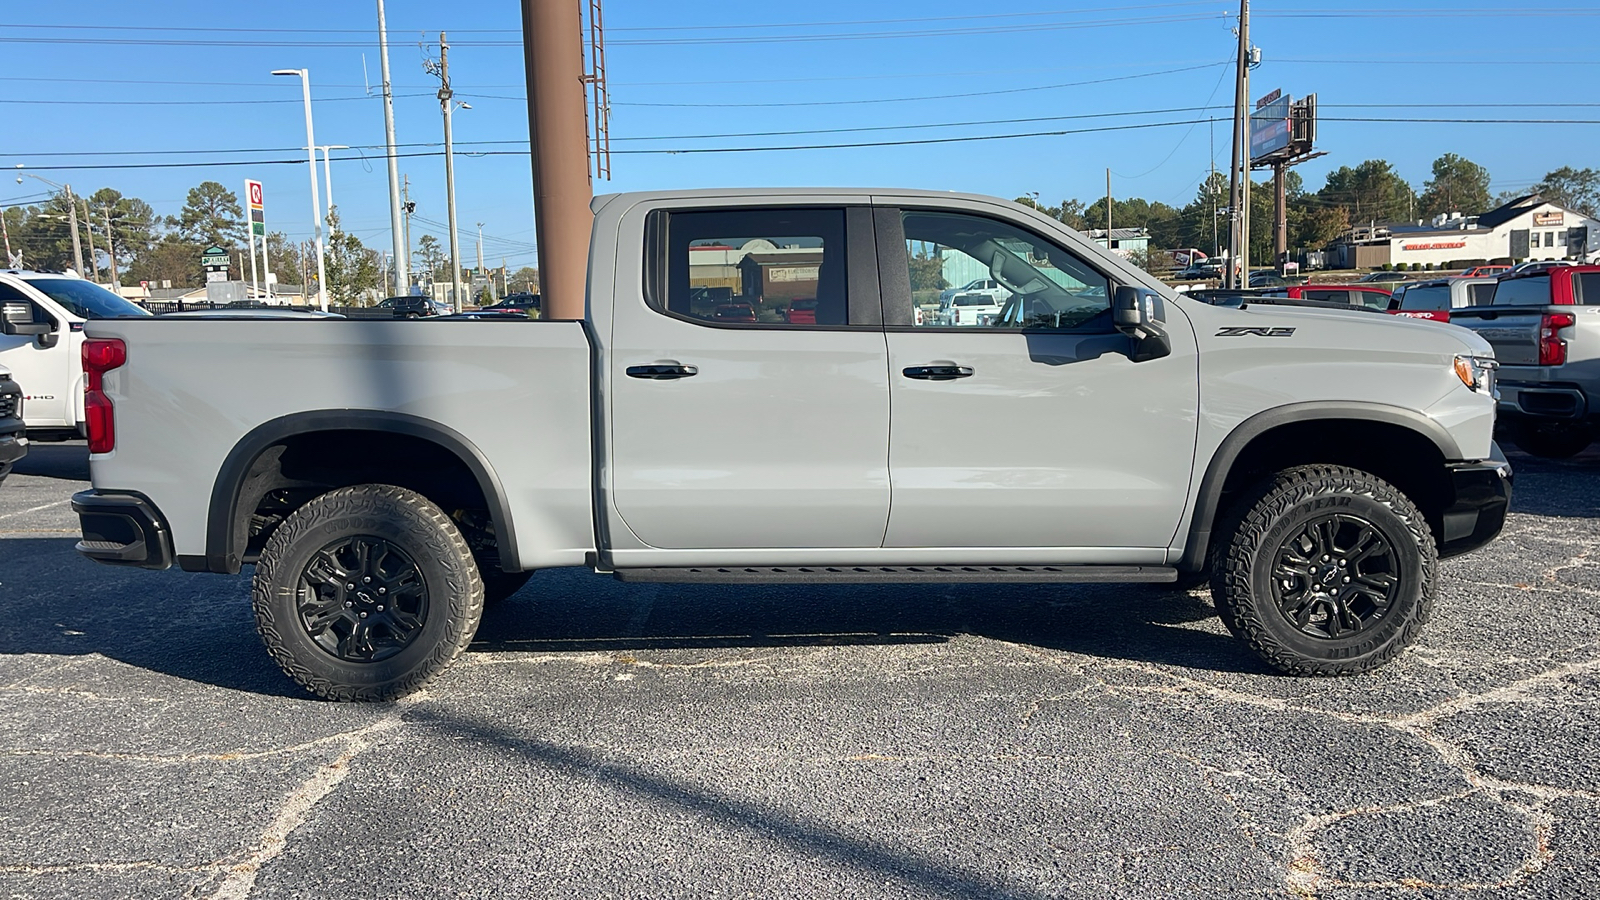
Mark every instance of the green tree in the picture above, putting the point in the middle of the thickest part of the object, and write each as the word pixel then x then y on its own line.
pixel 524 279
pixel 431 258
pixel 132 227
pixel 1458 185
pixel 352 268
pixel 1371 191
pixel 927 272
pixel 285 258
pixel 211 215
pixel 169 259
pixel 1576 189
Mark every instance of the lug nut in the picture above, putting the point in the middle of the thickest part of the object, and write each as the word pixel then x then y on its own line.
pixel 1347 579
pixel 383 590
pixel 367 580
pixel 363 615
pixel 1325 557
pixel 380 605
pixel 348 604
pixel 349 587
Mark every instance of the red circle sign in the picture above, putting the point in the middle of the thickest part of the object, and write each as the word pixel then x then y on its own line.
pixel 255 193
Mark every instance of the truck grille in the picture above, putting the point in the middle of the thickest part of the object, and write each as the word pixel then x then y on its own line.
pixel 8 405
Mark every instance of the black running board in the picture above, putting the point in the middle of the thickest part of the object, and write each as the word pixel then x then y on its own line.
pixel 897 574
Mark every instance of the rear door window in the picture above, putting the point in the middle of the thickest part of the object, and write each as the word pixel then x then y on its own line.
pixel 1588 288
pixel 774 267
pixel 1328 296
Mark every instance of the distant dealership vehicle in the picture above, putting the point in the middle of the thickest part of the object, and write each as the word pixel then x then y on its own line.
pixel 1382 277
pixel 13 440
pixel 1354 295
pixel 1436 298
pixel 519 304
pixel 42 343
pixel 1544 325
pixel 1485 271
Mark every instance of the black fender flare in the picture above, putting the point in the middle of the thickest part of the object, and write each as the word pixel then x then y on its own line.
pixel 1209 497
pixel 225 541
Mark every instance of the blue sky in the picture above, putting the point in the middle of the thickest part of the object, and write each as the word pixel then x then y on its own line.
pixel 681 70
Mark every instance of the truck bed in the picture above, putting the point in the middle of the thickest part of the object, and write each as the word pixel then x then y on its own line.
pixel 192 389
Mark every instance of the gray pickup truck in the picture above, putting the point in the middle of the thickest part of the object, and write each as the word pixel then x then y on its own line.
pixel 1544 326
pixel 388 478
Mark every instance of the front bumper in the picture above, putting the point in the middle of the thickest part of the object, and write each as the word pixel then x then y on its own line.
pixel 13 446
pixel 122 530
pixel 1482 497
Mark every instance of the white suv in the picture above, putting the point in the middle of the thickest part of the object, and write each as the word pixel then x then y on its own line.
pixel 47 365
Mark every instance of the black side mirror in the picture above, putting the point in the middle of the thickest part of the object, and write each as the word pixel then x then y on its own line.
pixel 1139 313
pixel 16 318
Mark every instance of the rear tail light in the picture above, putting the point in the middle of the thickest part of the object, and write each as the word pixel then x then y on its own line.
pixel 1552 349
pixel 100 355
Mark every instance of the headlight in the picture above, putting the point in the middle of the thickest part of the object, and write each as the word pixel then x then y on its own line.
pixel 1477 373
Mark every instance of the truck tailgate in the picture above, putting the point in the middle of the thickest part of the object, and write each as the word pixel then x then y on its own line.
pixel 1512 332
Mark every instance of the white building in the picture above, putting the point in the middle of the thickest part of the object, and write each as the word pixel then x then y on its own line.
pixel 1528 227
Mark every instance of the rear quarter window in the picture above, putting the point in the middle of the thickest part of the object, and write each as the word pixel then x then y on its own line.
pixel 1431 297
pixel 1589 288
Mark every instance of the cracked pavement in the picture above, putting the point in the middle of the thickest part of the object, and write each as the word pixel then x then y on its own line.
pixel 602 739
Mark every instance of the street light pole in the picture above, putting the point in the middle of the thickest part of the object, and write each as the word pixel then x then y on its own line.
pixel 479 271
pixel 316 201
pixel 72 216
pixel 402 251
pixel 327 173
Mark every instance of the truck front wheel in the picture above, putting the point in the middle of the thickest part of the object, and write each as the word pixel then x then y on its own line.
pixel 1327 571
pixel 366 593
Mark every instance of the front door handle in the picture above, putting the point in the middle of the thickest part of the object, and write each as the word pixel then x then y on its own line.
pixel 940 372
pixel 662 371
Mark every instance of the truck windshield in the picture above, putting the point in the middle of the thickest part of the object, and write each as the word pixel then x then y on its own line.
pixel 85 299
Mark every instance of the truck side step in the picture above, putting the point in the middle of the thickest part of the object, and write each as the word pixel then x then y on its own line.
pixel 896 574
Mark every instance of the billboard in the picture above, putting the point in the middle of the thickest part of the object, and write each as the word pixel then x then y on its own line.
pixel 1269 127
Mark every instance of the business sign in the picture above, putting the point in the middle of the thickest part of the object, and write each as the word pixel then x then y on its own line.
pixel 215 257
pixel 1547 219
pixel 258 217
pixel 1436 245
pixel 1269 126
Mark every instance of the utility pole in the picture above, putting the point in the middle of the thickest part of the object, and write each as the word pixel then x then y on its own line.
pixel 1239 167
pixel 72 219
pixel 1280 214
pixel 111 250
pixel 402 253
pixel 88 229
pixel 552 41
pixel 406 209
pixel 447 105
pixel 11 259
pixel 1108 209
pixel 327 173
pixel 478 272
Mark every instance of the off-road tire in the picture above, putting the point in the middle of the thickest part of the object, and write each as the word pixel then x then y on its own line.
pixel 1552 440
pixel 499 586
pixel 1268 516
pixel 404 520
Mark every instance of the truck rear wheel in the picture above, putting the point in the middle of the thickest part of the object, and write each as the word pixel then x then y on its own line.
pixel 1327 571
pixel 1553 440
pixel 366 593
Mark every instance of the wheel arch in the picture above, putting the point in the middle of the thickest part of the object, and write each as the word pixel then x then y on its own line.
pixel 227 525
pixel 1235 461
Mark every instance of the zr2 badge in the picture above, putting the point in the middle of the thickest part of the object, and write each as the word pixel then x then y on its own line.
pixel 1255 332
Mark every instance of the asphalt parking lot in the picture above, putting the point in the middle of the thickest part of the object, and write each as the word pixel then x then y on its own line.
pixel 604 739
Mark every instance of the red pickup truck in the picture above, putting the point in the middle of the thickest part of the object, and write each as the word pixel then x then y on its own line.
pixel 1370 296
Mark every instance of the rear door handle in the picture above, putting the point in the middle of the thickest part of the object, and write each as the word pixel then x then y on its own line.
pixel 941 372
pixel 662 371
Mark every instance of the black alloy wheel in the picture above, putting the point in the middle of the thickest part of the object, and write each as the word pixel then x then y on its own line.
pixel 362 599
pixel 1336 576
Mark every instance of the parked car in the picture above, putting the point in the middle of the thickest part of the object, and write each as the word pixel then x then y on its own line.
pixel 1207 270
pixel 1335 454
pixel 1485 271
pixel 1538 265
pixel 1436 298
pixel 514 304
pixel 801 312
pixel 13 437
pixel 1368 296
pixel 413 306
pixel 974 307
pixel 1265 278
pixel 1382 277
pixel 977 284
pixel 253 312
pixel 735 312
pixel 1544 325
pixel 43 346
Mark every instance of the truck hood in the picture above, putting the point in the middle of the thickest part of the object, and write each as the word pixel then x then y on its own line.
pixel 1358 329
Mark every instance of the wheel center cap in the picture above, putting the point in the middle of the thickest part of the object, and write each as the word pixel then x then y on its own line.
pixel 1330 575
pixel 363 596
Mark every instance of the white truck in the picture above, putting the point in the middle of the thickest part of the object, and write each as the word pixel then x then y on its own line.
pixel 45 357
pixel 387 478
pixel 13 442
